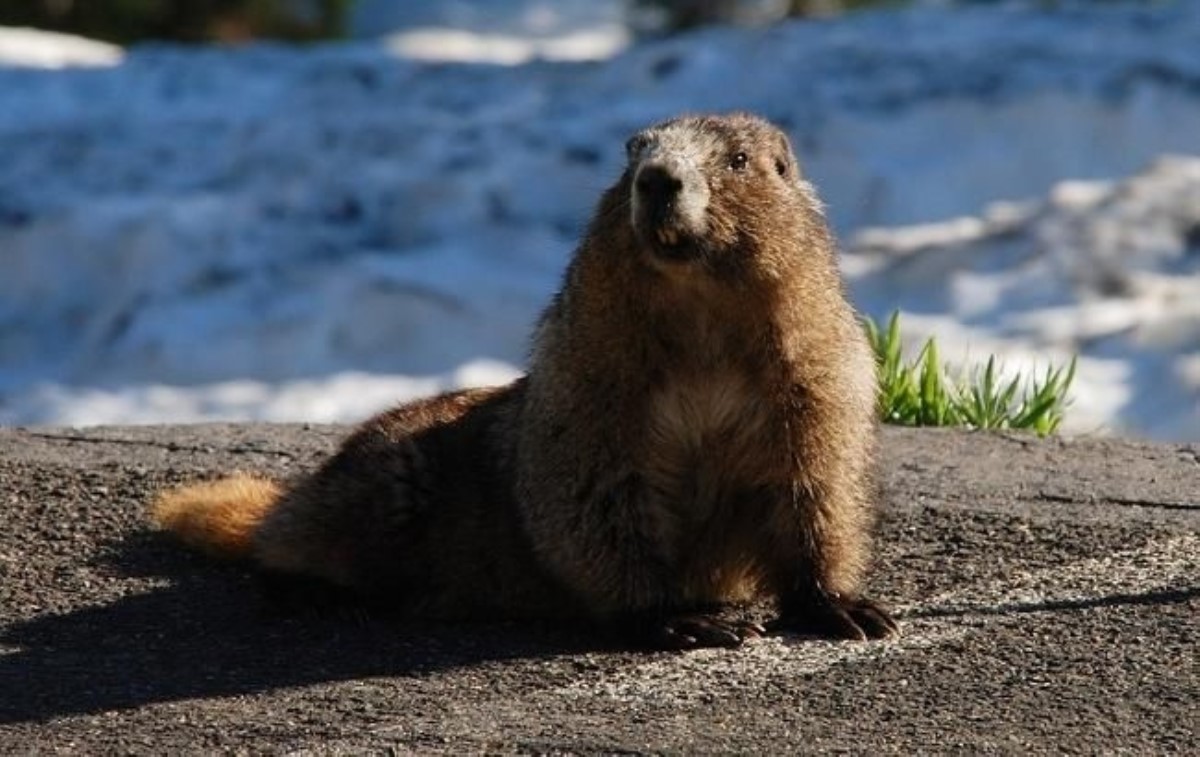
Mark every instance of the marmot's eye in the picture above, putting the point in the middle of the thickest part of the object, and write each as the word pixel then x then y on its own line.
pixel 738 161
pixel 780 167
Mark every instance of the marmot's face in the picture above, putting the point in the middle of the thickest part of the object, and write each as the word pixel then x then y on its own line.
pixel 709 189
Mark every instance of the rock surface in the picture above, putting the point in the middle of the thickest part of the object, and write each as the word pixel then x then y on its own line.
pixel 1049 593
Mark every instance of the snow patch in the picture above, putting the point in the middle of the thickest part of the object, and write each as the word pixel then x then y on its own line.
pixel 1109 271
pixel 192 218
pixel 457 45
pixel 34 48
pixel 350 396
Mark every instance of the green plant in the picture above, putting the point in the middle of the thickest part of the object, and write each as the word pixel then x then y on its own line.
pixel 925 393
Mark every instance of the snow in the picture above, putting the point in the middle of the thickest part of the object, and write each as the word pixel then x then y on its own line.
pixel 496 31
pixel 1106 270
pixel 313 233
pixel 42 49
pixel 441 44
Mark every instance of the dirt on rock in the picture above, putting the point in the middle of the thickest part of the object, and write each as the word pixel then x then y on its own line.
pixel 1048 590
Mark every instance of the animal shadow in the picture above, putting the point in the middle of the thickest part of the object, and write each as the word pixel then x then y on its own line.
pixel 215 630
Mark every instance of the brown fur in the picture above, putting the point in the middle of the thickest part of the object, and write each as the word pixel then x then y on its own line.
pixel 219 517
pixel 696 429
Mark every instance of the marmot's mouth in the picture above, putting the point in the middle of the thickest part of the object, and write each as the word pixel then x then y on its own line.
pixel 667 241
pixel 666 236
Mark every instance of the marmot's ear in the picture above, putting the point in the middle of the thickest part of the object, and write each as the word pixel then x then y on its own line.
pixel 635 145
pixel 785 158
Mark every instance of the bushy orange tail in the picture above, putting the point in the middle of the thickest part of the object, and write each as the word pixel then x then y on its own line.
pixel 218 517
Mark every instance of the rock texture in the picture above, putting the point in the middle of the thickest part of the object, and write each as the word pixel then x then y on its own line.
pixel 1049 593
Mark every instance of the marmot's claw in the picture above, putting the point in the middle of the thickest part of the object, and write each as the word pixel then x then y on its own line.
pixel 696 631
pixel 836 617
pixel 875 621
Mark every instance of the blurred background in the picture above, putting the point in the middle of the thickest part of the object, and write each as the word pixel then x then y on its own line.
pixel 128 21
pixel 312 209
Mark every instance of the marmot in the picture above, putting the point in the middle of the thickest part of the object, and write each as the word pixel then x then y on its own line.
pixel 696 430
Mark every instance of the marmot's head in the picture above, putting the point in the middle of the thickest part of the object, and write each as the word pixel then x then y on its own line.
pixel 722 192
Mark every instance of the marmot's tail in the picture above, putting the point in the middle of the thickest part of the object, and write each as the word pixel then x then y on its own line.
pixel 218 517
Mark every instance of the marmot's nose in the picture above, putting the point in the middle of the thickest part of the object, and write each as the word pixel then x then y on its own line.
pixel 657 184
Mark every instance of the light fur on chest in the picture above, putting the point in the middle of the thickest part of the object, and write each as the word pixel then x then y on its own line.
pixel 704 435
pixel 708 442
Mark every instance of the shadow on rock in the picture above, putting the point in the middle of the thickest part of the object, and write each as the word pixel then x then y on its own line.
pixel 213 633
pixel 1158 597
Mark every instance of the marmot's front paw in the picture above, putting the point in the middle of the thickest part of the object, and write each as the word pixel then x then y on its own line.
pixel 697 630
pixel 838 617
